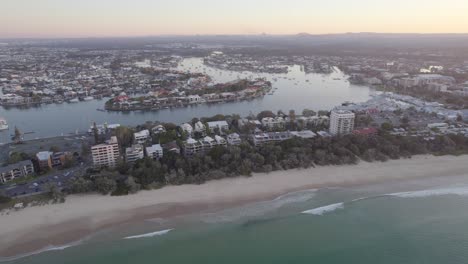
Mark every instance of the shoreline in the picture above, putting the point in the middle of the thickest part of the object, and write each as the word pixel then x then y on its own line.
pixel 35 228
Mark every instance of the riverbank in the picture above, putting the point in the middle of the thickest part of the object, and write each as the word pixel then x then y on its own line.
pixel 35 228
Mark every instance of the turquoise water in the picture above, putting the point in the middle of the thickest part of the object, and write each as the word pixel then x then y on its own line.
pixel 417 227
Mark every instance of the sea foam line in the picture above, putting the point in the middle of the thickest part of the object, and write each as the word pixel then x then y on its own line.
pixel 325 209
pixel 43 250
pixel 157 233
pixel 461 191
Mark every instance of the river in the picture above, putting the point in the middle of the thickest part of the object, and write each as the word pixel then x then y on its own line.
pixel 295 90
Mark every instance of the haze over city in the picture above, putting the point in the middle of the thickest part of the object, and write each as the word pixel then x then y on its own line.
pixel 240 131
pixel 106 18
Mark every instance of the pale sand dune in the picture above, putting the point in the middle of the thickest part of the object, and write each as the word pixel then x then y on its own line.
pixel 36 227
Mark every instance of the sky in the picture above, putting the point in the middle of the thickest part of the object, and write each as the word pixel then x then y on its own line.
pixel 107 18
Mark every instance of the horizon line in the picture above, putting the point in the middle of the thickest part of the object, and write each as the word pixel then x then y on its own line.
pixel 222 35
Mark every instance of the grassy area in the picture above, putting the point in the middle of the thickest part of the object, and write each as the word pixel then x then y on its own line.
pixel 35 200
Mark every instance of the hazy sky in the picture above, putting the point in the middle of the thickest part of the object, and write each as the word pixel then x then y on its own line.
pixel 93 18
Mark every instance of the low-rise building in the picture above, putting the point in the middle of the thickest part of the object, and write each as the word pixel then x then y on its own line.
pixel 171 147
pixel 142 136
pixel 107 154
pixel 134 153
pixel 192 146
pixel 187 128
pixel 155 151
pixel 272 123
pixel 262 138
pixel 234 139
pixel 44 160
pixel 15 171
pixel 220 141
pixel 222 126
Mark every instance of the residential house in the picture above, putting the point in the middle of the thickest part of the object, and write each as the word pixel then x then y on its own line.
pixel 222 126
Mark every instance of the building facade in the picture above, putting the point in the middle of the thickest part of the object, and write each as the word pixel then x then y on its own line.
pixel 15 171
pixel 107 154
pixel 341 122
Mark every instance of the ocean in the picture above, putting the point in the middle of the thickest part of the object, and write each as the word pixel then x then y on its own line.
pixel 415 222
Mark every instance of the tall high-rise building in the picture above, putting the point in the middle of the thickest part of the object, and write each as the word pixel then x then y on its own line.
pixel 341 122
pixel 106 155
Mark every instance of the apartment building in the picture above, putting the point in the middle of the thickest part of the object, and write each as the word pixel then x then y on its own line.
pixel 234 139
pixel 341 122
pixel 15 171
pixel 155 151
pixel 106 155
pixel 142 136
pixel 134 153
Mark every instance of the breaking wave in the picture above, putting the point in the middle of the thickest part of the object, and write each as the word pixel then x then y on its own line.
pixel 152 234
pixel 325 209
pixel 258 209
pixel 461 191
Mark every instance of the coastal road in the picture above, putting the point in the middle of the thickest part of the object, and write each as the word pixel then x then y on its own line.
pixel 38 185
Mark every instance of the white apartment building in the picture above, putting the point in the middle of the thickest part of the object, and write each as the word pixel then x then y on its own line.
pixel 142 136
pixel 134 153
pixel 273 123
pixel 341 122
pixel 155 151
pixel 221 125
pixel 106 155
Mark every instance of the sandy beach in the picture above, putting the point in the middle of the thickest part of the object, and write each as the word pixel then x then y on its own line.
pixel 34 228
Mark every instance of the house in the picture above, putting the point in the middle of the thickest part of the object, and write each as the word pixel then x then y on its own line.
pixel 15 171
pixel 158 129
pixel 208 143
pixel 200 128
pixel 155 151
pixel 142 136
pixel 234 139
pixel 222 126
pixel 187 128
pixel 220 141
pixel 106 155
pixel 171 147
pixel 134 153
pixel 44 160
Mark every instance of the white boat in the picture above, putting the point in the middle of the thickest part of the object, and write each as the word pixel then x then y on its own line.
pixel 88 98
pixel 75 100
pixel 3 124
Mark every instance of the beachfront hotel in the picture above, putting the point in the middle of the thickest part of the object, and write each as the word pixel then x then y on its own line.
pixel 341 122
pixel 106 155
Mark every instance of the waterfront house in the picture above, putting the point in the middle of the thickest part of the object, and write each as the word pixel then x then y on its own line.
pixel 200 128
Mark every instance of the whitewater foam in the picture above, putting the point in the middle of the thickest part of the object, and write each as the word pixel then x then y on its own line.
pixel 152 234
pixel 325 209
pixel 461 191
pixel 43 250
pixel 259 208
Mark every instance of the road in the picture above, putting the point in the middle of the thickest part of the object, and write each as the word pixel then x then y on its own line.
pixel 37 186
